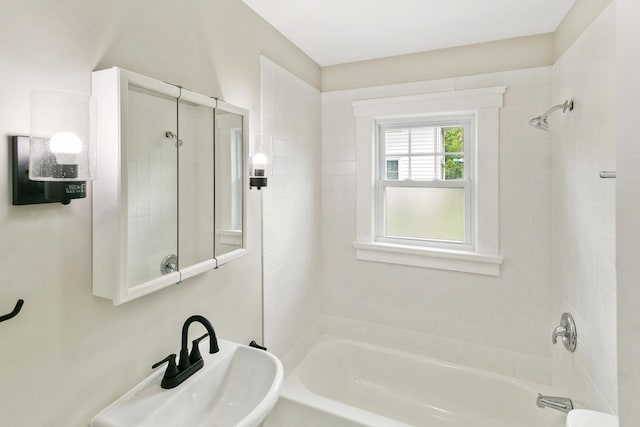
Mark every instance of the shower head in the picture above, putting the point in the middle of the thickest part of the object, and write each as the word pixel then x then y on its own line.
pixel 541 123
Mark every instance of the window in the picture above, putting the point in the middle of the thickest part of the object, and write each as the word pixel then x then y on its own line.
pixel 424 196
pixel 427 180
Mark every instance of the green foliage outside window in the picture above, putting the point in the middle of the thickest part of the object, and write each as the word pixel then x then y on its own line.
pixel 453 143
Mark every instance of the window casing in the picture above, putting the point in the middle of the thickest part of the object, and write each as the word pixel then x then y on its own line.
pixel 478 251
pixel 421 197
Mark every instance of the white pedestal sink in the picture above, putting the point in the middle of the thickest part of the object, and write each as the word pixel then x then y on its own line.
pixel 237 387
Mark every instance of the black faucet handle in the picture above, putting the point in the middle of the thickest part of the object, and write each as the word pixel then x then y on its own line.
pixel 195 350
pixel 172 369
pixel 254 344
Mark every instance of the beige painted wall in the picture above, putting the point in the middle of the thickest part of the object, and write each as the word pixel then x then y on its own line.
pixel 579 17
pixel 502 55
pixel 69 354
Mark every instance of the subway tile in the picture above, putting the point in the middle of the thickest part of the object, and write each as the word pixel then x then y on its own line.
pixel 467 82
pixel 519 95
pixel 503 78
pixel 524 77
pixel 446 85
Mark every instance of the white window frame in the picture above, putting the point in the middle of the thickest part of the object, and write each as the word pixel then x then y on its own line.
pixel 466 121
pixel 482 257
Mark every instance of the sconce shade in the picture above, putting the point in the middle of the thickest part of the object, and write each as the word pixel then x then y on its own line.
pixel 258 168
pixel 63 137
pixel 28 192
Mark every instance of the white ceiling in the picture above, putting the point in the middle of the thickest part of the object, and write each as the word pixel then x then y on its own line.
pixel 337 31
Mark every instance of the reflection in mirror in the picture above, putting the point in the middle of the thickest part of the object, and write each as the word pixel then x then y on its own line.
pixel 229 183
pixel 195 153
pixel 151 183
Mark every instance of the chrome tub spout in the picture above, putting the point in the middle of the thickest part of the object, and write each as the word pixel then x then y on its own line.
pixel 563 404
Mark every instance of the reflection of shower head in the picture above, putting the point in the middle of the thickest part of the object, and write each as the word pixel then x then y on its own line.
pixel 170 135
pixel 541 123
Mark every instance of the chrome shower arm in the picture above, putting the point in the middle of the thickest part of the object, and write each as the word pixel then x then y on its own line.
pixel 566 105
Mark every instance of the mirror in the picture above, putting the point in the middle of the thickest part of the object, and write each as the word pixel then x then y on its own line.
pixel 195 183
pixel 151 165
pixel 229 146
pixel 169 203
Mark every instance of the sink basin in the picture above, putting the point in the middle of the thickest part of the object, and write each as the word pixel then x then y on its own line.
pixel 238 386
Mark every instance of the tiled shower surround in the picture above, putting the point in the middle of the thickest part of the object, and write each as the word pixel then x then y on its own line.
pixel 291 206
pixel 584 209
pixel 495 323
pixel 557 234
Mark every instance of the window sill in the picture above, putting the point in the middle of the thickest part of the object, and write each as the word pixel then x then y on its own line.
pixel 468 262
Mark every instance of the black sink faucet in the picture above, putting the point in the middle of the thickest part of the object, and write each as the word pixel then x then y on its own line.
pixel 189 363
pixel 185 359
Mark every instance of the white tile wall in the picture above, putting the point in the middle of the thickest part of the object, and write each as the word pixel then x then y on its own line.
pixel 500 324
pixel 491 358
pixel 584 271
pixel 291 206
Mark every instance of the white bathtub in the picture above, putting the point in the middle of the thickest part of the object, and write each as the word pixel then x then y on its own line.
pixel 348 383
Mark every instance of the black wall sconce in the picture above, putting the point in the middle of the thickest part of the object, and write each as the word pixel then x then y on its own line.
pixel 53 164
pixel 258 167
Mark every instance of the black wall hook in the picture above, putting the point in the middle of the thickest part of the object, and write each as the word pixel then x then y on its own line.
pixel 15 311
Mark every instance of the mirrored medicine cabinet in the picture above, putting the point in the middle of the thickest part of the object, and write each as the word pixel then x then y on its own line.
pixel 169 201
